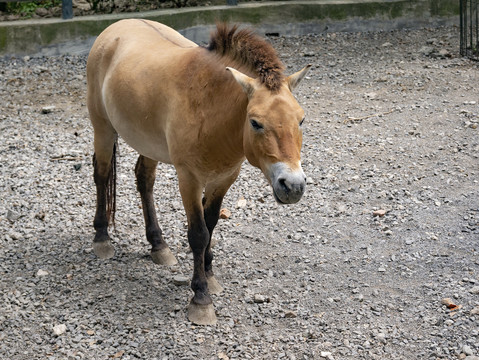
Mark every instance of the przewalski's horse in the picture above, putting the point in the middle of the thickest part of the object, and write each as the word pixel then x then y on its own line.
pixel 202 109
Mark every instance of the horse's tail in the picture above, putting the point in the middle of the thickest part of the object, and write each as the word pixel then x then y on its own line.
pixel 111 188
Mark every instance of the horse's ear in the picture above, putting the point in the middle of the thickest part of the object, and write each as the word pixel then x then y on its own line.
pixel 295 79
pixel 245 81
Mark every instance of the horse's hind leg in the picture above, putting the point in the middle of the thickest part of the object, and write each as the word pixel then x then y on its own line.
pixel 145 171
pixel 104 163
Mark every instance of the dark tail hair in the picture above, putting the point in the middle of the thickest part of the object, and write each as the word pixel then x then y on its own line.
pixel 111 188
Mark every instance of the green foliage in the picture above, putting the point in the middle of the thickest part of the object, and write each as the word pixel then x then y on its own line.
pixel 27 9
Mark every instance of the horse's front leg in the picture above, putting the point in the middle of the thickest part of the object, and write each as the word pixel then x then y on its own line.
pixel 214 194
pixel 211 213
pixel 200 310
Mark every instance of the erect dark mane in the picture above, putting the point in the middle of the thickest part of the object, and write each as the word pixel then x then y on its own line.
pixel 249 49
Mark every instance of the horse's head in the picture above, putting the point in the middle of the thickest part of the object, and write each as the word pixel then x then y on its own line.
pixel 273 136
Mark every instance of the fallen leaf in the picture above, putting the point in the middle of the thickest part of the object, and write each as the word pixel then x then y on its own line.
pixel 450 304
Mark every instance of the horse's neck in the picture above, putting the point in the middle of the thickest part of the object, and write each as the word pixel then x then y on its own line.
pixel 223 104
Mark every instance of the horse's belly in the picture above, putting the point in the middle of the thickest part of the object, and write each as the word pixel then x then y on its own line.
pixel 152 144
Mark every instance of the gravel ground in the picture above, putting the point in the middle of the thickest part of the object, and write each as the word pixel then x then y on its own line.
pixel 359 269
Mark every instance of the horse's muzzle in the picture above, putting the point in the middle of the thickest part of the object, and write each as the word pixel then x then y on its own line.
pixel 288 185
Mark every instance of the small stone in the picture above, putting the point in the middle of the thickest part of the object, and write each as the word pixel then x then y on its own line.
pixel 47 109
pixel 471 357
pixel 475 311
pixel 444 53
pixel 12 215
pixel 223 356
pixel 77 167
pixel 426 50
pixel 474 290
pixel 290 314
pixel 59 329
pixel 84 5
pixel 259 299
pixel 380 213
pixel 180 280
pixel 325 354
pixel 42 12
pixel 381 337
pixel 241 203
pixel 42 273
pixel 382 269
pixel 466 349
pixel 225 213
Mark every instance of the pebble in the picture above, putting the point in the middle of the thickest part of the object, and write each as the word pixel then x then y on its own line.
pixel 290 314
pixel 59 329
pixel 181 280
pixel 13 215
pixel 380 213
pixel 48 109
pixel 466 349
pixel 225 213
pixel 474 290
pixel 325 354
pixel 259 299
pixel 241 203
pixel 42 272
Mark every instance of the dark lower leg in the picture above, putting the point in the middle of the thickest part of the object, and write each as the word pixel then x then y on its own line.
pixel 211 214
pixel 100 223
pixel 145 171
pixel 198 238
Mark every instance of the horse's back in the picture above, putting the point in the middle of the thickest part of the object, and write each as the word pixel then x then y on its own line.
pixel 139 32
pixel 130 81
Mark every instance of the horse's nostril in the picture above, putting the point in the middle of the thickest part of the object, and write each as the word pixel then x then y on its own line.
pixel 284 184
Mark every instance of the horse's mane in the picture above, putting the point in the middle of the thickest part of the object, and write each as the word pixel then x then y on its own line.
pixel 244 46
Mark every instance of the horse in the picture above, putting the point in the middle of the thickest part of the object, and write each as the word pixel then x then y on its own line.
pixel 204 109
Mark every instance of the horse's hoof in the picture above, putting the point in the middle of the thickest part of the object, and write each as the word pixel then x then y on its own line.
pixel 164 257
pixel 214 286
pixel 201 314
pixel 103 249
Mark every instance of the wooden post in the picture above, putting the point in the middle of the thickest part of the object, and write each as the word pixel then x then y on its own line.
pixel 67 9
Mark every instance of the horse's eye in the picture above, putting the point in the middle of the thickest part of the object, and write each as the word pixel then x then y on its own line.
pixel 256 125
pixel 301 122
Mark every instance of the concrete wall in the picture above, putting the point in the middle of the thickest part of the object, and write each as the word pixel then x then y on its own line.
pixel 56 36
